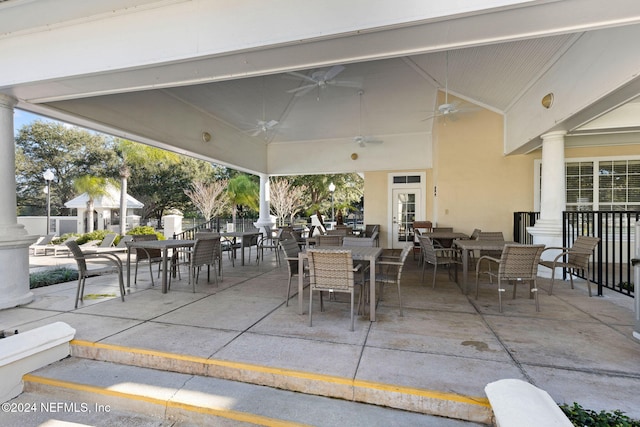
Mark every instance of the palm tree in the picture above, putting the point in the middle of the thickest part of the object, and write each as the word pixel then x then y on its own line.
pixel 243 191
pixel 134 154
pixel 94 187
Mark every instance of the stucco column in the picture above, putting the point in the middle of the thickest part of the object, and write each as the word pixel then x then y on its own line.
pixel 14 241
pixel 265 209
pixel 548 229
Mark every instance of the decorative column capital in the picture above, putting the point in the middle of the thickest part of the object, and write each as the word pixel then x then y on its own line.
pixel 7 101
pixel 557 134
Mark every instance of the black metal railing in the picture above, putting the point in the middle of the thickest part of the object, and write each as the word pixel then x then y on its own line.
pixel 216 224
pixel 611 263
pixel 611 266
pixel 522 220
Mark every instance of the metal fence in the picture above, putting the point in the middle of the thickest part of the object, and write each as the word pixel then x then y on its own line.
pixel 217 224
pixel 611 263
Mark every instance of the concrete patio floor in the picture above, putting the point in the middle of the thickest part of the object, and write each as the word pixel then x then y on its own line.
pixel 578 349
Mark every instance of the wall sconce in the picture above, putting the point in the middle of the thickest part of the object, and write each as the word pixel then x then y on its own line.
pixel 206 136
pixel 547 100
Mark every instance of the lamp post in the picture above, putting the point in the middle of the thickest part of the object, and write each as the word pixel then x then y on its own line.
pixel 48 176
pixel 332 188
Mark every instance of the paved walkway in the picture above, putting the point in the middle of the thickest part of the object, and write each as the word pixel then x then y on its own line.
pixel 579 349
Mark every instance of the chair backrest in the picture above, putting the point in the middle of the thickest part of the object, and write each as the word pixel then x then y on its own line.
pixel 428 250
pixel 475 234
pixel 47 239
pixel 329 240
pixel 312 229
pixel 123 241
pixel 580 252
pixel 348 229
pixel 330 269
pixel 520 261
pixel 75 250
pixel 108 240
pixel 217 244
pixel 291 249
pixel 358 241
pixel 204 250
pixel 403 257
pixel 446 229
pixel 369 229
pixel 146 253
pixel 423 226
pixel 495 236
pixel 337 232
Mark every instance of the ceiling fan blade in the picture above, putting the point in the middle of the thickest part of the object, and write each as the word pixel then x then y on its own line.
pixel 346 83
pixel 256 132
pixel 271 123
pixel 300 76
pixel 333 71
pixel 305 88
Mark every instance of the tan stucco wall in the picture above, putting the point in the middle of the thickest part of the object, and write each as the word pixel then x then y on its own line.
pixel 477 186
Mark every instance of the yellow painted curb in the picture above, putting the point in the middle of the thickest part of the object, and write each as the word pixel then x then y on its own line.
pixel 224 413
pixel 432 394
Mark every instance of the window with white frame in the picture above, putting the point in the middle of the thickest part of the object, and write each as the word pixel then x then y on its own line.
pixel 611 184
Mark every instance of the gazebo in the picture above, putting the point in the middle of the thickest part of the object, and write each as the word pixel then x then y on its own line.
pixel 103 206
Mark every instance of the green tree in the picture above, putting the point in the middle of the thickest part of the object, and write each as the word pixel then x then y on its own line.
pixel 348 193
pixel 243 191
pixel 135 154
pixel 94 187
pixel 67 150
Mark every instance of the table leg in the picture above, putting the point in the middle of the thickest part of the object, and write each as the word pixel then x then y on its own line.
pixel 300 284
pixel 465 271
pixel 372 289
pixel 129 268
pixel 165 266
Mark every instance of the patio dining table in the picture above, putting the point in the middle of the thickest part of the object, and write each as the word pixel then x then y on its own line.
pixel 467 246
pixel 245 240
pixel 164 246
pixel 358 253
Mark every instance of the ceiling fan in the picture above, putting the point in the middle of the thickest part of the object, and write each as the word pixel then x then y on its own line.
pixel 449 110
pixel 263 126
pixel 362 140
pixel 321 79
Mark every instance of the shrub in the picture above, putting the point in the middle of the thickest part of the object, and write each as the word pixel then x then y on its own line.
pixel 145 229
pixel 581 417
pixel 94 235
pixel 52 277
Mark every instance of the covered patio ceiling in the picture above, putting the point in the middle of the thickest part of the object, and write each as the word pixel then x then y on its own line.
pixel 176 71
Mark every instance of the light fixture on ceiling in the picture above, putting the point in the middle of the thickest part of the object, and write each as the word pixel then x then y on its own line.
pixel 547 100
pixel 354 156
pixel 206 136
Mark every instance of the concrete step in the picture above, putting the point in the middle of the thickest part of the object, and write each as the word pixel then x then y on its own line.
pixel 144 396
pixel 467 408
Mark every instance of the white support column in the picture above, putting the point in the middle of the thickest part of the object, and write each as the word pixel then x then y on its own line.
pixel 548 228
pixel 14 241
pixel 265 209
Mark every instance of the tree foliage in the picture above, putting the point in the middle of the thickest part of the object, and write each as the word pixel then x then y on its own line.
pixel 209 198
pixel 348 193
pixel 69 152
pixel 286 200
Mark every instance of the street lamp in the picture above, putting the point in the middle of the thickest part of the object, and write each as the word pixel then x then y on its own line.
pixel 332 188
pixel 48 176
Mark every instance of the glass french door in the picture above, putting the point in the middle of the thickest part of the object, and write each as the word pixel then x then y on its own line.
pixel 406 207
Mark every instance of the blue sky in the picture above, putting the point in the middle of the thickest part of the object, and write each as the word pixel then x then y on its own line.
pixel 21 118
